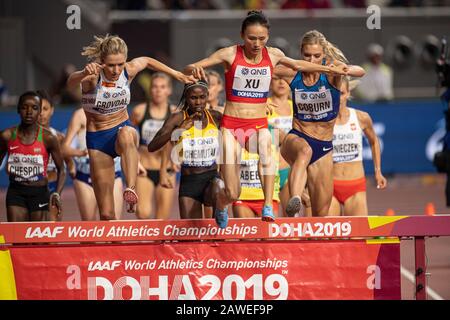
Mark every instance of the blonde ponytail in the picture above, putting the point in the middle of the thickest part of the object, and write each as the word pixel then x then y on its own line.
pixel 332 53
pixel 335 53
pixel 102 47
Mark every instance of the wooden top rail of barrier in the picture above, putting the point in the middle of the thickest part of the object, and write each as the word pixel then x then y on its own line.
pixel 316 228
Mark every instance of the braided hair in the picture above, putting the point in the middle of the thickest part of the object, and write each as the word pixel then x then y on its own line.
pixel 182 105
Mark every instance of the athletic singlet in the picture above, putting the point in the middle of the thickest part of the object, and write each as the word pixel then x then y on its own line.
pixel 108 97
pixel 82 163
pixel 251 188
pixel 27 162
pixel 347 140
pixel 319 102
pixel 51 167
pixel 149 126
pixel 199 148
pixel 248 83
pixel 281 122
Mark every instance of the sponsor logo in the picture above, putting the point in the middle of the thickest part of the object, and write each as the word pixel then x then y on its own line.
pixel 106 95
pixel 13 147
pixel 47 232
pixel 181 287
pixel 119 94
pixel 303 95
pixel 107 265
pixel 247 94
pixel 42 204
pixel 259 127
pixel 255 71
pixel 308 229
pixel 108 84
pixel 327 149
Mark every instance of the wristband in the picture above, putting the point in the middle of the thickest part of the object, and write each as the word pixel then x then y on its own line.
pixel 56 194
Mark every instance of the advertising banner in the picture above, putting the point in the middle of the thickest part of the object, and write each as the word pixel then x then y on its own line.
pixel 206 229
pixel 231 270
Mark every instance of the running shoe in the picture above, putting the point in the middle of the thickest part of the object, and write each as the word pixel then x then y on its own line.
pixel 267 214
pixel 294 207
pixel 131 198
pixel 221 217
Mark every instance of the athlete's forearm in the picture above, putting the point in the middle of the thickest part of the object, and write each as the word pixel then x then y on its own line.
pixel 61 179
pixel 75 79
pixel 376 156
pixel 165 157
pixel 356 71
pixel 189 68
pixel 302 65
pixel 155 65
pixel 69 152
pixel 159 141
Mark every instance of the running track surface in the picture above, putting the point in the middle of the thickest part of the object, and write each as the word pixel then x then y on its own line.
pixel 406 195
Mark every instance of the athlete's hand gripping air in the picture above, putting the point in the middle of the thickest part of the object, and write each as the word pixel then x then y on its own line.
pixel 92 68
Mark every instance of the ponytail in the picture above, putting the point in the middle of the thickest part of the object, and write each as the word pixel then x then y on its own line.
pixel 332 53
pixel 102 47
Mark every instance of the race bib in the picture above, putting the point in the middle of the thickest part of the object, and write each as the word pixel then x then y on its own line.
pixel 313 105
pixel 249 174
pixel 251 82
pixel 112 100
pixel 200 152
pixel 26 167
pixel 150 128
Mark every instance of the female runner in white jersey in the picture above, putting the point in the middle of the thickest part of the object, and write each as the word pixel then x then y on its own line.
pixel 149 117
pixel 105 84
pixel 74 146
pixel 307 147
pixel 280 123
pixel 248 72
pixel 45 117
pixel 348 170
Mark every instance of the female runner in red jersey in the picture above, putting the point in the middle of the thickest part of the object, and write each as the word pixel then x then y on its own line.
pixel 29 146
pixel 248 73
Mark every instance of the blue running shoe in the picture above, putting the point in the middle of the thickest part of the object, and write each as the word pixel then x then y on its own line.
pixel 267 214
pixel 221 217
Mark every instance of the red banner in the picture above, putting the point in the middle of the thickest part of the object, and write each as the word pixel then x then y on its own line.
pixel 209 270
pixel 206 229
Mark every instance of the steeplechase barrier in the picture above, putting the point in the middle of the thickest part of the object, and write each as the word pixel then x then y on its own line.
pixel 292 258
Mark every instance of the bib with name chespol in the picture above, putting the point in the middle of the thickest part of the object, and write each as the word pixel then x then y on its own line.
pixel 27 162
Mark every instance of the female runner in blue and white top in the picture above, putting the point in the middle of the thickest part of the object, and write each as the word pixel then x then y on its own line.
pixel 307 147
pixel 105 84
pixel 74 146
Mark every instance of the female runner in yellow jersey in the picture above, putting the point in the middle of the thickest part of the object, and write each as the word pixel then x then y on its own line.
pixel 195 132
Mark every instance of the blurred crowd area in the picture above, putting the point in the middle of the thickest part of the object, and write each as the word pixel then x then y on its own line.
pixel 266 4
